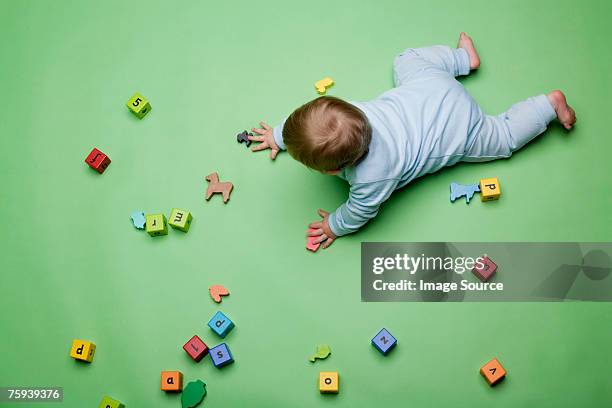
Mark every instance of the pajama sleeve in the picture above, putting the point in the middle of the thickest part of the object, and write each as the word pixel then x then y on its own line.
pixel 278 135
pixel 413 61
pixel 361 206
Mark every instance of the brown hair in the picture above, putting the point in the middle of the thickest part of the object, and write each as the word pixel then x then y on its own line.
pixel 327 134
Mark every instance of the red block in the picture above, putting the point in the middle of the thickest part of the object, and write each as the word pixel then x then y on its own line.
pixel 97 160
pixel 488 269
pixel 196 348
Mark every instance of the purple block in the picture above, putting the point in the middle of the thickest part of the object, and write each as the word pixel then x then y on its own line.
pixel 384 341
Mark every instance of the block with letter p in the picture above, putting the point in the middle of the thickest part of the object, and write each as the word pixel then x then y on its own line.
pixel 83 350
pixel 490 189
pixel 139 105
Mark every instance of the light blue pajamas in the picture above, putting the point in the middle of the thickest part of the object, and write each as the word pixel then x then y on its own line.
pixel 428 121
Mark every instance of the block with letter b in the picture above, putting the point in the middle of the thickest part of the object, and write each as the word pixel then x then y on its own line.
pixel 156 225
pixel 490 189
pixel 180 219
pixel 83 350
pixel 139 105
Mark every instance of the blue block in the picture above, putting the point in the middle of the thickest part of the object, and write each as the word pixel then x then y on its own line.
pixel 138 219
pixel 221 355
pixel 384 341
pixel 221 324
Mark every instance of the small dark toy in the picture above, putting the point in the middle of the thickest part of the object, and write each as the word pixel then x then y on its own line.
pixel 243 137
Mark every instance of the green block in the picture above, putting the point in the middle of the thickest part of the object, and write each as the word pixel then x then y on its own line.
pixel 180 219
pixel 108 402
pixel 156 225
pixel 139 105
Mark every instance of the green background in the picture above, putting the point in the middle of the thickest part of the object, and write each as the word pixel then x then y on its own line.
pixel 73 266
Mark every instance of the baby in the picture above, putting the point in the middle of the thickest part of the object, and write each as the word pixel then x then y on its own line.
pixel 428 121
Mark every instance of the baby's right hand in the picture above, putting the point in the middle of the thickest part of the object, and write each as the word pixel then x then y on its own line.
pixel 266 140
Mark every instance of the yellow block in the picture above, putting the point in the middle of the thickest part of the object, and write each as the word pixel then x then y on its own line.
pixel 83 350
pixel 490 189
pixel 329 382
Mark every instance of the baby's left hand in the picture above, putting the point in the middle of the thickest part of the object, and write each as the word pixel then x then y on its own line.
pixel 322 231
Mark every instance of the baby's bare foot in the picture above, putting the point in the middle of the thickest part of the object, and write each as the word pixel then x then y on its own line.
pixel 466 43
pixel 565 113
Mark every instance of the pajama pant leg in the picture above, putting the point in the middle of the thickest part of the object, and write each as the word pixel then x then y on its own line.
pixel 503 134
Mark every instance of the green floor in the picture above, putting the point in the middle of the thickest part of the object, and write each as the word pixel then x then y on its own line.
pixel 74 267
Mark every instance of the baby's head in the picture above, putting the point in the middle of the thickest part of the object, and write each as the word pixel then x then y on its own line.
pixel 327 134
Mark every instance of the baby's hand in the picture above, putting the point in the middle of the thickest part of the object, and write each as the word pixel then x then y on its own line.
pixel 322 231
pixel 266 140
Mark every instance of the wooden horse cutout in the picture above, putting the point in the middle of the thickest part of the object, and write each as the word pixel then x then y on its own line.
pixel 215 186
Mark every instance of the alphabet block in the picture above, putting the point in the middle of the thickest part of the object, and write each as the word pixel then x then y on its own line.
pixel 196 348
pixel 490 189
pixel 180 219
pixel 97 160
pixel 83 350
pixel 156 225
pixel 108 402
pixel 329 382
pixel 493 372
pixel 384 341
pixel 221 355
pixel 139 105
pixel 488 269
pixel 171 381
pixel 221 324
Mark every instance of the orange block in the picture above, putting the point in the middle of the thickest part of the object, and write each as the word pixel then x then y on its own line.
pixel 171 381
pixel 493 371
